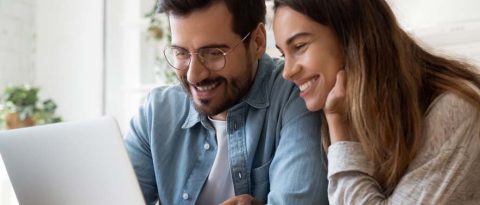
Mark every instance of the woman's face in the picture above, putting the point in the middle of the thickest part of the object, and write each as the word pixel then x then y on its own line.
pixel 312 55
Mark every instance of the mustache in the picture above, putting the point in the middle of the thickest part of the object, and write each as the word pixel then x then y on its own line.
pixel 204 82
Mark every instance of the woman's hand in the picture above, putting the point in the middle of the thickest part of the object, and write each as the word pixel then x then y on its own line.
pixel 335 104
pixel 335 108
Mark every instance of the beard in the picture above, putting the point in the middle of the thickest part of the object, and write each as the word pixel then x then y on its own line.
pixel 235 89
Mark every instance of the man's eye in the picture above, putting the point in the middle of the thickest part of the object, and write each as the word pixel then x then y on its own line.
pixel 181 54
pixel 214 52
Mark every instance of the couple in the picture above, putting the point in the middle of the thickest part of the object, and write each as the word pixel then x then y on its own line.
pixel 391 122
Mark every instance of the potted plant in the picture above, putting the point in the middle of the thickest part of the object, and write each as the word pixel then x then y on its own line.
pixel 20 107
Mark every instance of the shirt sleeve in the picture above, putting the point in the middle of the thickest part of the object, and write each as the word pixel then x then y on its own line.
pixel 451 146
pixel 297 171
pixel 138 147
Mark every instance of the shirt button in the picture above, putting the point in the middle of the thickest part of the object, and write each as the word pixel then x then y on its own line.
pixel 185 196
pixel 206 146
pixel 234 126
pixel 240 175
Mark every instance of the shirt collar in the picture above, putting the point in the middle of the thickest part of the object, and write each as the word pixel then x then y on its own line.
pixel 257 97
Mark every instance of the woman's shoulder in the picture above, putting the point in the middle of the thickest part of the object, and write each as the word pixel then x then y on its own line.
pixel 450 120
pixel 452 107
pixel 449 156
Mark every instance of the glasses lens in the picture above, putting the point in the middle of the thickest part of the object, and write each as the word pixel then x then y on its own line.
pixel 212 58
pixel 178 58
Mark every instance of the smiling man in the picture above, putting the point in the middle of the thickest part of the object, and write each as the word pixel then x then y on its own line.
pixel 234 130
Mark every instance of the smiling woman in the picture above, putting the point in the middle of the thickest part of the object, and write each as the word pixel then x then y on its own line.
pixel 400 124
pixel 324 55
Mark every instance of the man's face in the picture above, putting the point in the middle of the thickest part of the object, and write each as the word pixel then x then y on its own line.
pixel 213 92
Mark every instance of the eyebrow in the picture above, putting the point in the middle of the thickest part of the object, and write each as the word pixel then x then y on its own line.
pixel 295 36
pixel 206 46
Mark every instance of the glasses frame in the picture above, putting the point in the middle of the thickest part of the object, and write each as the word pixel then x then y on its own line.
pixel 202 60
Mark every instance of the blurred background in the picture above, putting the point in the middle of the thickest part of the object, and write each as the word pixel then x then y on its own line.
pixel 79 59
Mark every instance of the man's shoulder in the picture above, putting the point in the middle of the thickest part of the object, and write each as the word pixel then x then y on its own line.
pixel 283 95
pixel 280 89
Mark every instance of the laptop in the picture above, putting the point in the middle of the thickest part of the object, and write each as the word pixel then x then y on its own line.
pixel 70 163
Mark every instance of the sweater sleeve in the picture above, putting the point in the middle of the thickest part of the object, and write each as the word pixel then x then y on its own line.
pixel 449 153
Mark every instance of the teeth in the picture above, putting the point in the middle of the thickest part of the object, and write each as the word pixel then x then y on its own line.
pixel 207 88
pixel 306 85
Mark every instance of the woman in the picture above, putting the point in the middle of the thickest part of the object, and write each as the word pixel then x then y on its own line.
pixel 401 125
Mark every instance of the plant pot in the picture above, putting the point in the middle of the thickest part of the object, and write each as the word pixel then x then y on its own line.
pixel 13 121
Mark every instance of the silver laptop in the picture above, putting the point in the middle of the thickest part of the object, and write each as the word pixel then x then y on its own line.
pixel 70 163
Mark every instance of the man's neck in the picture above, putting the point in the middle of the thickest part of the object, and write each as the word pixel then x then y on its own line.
pixel 221 116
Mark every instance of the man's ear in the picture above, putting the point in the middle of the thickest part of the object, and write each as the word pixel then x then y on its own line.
pixel 259 41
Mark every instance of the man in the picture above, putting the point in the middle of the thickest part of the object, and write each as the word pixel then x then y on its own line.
pixel 234 131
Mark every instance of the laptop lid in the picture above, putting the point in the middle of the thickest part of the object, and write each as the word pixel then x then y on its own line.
pixel 70 163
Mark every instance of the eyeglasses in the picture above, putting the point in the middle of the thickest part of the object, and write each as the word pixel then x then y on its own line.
pixel 212 58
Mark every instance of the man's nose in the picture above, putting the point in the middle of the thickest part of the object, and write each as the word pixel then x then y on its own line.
pixel 196 72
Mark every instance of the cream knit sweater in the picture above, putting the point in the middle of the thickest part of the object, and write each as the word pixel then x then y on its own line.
pixel 445 171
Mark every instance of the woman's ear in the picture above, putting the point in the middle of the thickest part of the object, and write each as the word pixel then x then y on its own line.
pixel 259 41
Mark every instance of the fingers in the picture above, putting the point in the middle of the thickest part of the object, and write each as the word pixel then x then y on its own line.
pixel 340 83
pixel 336 108
pixel 335 101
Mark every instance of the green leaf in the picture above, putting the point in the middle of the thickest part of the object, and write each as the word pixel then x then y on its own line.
pixel 24 100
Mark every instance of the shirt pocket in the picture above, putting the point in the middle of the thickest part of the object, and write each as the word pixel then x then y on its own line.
pixel 261 181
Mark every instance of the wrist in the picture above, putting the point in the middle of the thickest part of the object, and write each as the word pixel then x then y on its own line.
pixel 334 118
pixel 337 128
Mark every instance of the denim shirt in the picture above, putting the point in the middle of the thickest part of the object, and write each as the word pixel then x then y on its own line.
pixel 274 146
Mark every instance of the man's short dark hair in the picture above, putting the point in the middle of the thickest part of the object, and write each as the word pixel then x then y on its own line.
pixel 247 14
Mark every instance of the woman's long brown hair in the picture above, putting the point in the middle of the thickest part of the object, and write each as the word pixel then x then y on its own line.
pixel 391 81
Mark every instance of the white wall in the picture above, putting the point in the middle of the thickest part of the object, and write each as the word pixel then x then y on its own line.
pixel 16 42
pixel 448 27
pixel 56 45
pixel 130 71
pixel 123 59
pixel 69 57
pixel 426 13
pixel 16 62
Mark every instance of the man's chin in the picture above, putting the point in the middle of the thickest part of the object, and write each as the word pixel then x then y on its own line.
pixel 206 110
pixel 209 107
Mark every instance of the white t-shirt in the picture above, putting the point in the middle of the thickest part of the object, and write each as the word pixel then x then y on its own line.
pixel 219 185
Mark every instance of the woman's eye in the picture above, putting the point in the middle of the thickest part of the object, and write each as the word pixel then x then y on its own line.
pixel 299 46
